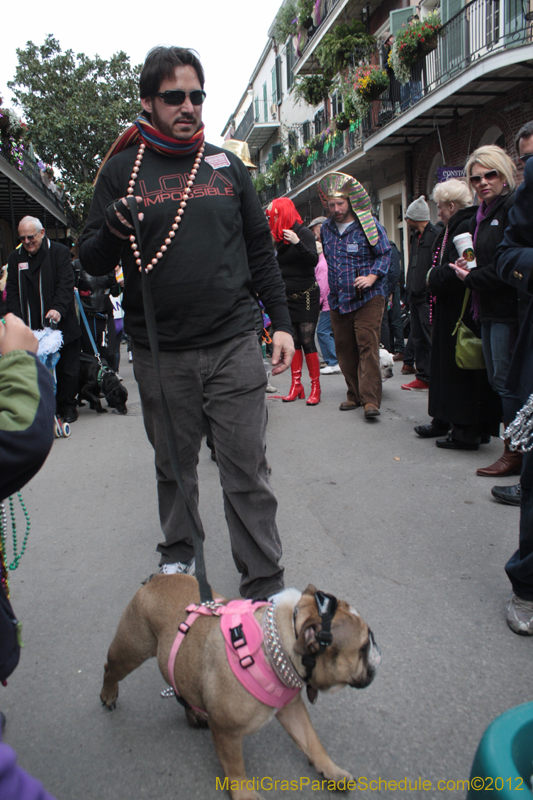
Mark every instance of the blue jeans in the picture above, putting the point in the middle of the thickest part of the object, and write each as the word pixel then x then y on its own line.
pixel 499 339
pixel 519 568
pixel 325 339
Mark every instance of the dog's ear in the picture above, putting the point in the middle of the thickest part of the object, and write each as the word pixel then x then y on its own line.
pixel 307 638
pixel 312 590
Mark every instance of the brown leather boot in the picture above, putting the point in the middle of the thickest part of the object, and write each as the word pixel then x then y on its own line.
pixel 510 463
pixel 296 392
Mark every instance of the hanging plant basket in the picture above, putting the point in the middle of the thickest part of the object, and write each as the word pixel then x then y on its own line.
pixel 424 48
pixel 342 123
pixel 412 43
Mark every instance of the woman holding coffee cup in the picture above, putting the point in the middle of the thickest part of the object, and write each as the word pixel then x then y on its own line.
pixel 491 173
pixel 461 402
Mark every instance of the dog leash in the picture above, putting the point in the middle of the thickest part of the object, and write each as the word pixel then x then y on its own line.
pixel 206 595
pixel 87 328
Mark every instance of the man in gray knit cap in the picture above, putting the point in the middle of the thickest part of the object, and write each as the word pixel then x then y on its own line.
pixel 423 234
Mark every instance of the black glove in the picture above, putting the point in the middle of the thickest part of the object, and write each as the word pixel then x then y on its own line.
pixel 111 215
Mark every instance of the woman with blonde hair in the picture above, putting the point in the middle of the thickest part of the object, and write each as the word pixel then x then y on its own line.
pixel 464 407
pixel 491 174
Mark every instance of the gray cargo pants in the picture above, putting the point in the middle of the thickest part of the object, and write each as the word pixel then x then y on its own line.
pixel 225 382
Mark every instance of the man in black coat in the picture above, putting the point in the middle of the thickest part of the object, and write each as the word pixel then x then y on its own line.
pixel 420 260
pixel 514 264
pixel 40 290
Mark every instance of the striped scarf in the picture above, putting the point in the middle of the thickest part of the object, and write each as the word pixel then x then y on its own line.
pixel 143 130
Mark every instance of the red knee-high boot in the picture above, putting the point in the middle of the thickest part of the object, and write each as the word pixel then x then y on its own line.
pixel 296 392
pixel 313 365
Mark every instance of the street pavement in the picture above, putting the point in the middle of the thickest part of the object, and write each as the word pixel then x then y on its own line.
pixel 368 511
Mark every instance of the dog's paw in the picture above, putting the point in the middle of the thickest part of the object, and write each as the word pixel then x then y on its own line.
pixel 335 773
pixel 101 410
pixel 109 697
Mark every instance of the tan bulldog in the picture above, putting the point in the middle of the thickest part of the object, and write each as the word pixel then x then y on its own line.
pixel 205 680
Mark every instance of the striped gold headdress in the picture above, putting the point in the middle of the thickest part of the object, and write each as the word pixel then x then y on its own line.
pixel 338 184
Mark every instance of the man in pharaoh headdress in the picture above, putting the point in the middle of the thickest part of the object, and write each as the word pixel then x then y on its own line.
pixel 358 255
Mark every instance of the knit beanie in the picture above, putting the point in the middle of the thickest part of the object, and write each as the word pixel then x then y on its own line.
pixel 418 211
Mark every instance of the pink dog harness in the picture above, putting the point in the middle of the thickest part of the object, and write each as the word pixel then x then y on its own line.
pixel 244 639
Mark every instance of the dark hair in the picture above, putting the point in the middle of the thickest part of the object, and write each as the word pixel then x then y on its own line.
pixel 161 62
pixel 524 133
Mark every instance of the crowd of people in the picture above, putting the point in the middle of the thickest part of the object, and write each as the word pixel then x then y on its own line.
pixel 197 356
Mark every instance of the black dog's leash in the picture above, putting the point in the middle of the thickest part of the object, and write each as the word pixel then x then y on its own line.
pixel 206 595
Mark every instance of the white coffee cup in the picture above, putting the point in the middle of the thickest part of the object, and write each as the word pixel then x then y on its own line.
pixel 465 247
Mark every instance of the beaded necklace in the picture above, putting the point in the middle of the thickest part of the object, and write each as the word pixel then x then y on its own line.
pixel 4 567
pixel 439 254
pixel 177 219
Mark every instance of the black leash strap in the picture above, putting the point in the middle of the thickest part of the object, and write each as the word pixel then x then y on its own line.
pixel 206 594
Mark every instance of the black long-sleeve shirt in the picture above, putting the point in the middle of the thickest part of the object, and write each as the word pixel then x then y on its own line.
pixel 222 250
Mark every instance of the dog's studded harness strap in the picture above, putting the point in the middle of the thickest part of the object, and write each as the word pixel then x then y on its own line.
pixel 243 639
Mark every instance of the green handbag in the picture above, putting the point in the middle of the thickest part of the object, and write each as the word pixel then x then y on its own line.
pixel 468 348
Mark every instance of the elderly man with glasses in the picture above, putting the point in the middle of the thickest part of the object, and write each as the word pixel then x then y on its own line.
pixel 206 246
pixel 40 290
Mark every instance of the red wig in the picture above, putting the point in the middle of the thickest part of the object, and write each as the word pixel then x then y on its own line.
pixel 282 215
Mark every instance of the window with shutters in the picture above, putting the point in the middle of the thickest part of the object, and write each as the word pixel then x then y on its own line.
pixel 276 151
pixel 289 59
pixel 274 83
pixel 306 127
pixel 454 44
pixel 256 102
pixel 277 95
pixel 265 103
pixel 514 22
pixel 400 17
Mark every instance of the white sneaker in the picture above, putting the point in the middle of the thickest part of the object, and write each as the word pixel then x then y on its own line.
pixel 179 568
pixel 337 370
pixel 269 387
pixel 520 615
pixel 327 370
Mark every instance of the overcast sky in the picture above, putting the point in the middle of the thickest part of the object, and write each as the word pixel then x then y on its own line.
pixel 229 37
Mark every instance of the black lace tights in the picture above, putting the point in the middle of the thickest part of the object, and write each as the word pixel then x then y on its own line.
pixel 304 336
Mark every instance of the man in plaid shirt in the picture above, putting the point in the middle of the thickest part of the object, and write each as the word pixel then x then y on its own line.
pixel 358 255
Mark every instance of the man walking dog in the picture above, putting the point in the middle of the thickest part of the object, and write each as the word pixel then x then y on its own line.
pixel 207 244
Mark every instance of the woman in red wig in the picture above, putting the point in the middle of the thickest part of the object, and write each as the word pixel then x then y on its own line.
pixel 297 258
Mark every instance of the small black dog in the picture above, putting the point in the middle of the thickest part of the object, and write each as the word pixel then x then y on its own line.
pixel 93 381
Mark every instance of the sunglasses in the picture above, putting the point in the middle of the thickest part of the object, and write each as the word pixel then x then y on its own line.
pixel 27 238
pixel 525 158
pixel 488 176
pixel 176 97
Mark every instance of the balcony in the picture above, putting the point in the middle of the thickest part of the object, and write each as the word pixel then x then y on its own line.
pixel 259 123
pixel 486 51
pixel 307 64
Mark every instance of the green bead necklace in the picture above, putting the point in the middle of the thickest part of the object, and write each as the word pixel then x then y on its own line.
pixel 3 533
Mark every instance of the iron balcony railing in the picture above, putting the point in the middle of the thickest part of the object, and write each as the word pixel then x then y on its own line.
pixel 245 125
pixel 329 5
pixel 481 29
pixel 31 171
